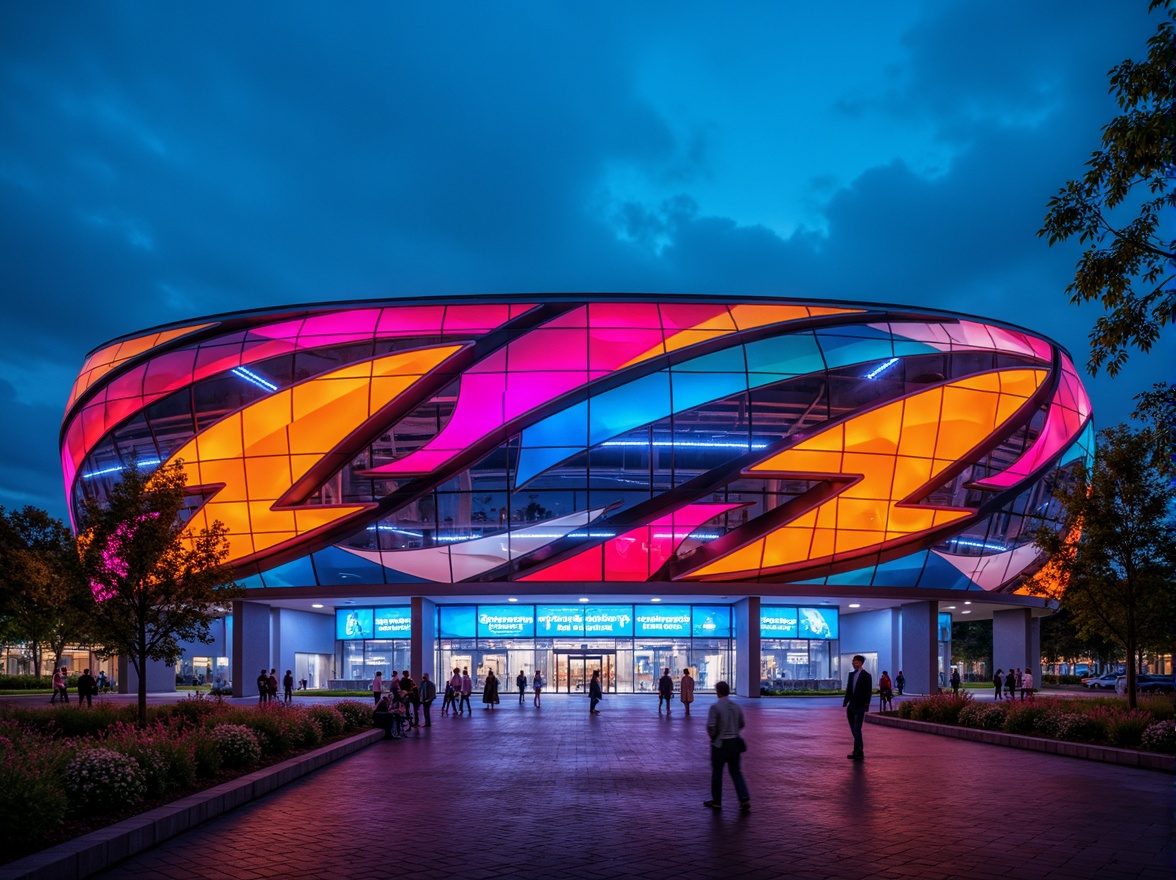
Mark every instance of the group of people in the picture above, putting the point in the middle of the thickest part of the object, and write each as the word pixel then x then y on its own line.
pixel 1006 685
pixel 267 686
pixel 89 686
pixel 665 691
pixel 401 705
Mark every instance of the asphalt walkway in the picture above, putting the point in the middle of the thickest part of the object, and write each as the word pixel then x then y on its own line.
pixel 555 793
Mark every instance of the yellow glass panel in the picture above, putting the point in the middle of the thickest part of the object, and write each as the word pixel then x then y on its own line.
pixel 264 425
pixel 1007 407
pixel 268 477
pixel 877 475
pixel 222 440
pixel 802 461
pixel 266 519
pixel 1021 383
pixel 301 464
pixel 943 517
pixel 231 473
pixel 744 559
pixel 862 515
pixel 749 316
pixel 323 432
pixel 721 322
pixel 920 428
pixel 824 542
pixel 686 338
pixel 827 514
pixel 414 363
pixel 909 474
pixel 876 431
pixel 818 311
pixel 910 519
pixel 805 520
pixel 786 546
pixel 989 382
pixel 312 398
pixel 385 389
pixel 832 439
pixel 308 519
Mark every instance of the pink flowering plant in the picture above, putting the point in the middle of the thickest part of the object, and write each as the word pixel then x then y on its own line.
pixel 238 745
pixel 99 777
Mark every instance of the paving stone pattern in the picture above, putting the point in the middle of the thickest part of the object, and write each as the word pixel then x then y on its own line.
pixel 555 793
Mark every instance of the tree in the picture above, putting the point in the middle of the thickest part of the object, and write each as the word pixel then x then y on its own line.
pixel 44 597
pixel 152 587
pixel 1117 206
pixel 1061 642
pixel 1117 551
pixel 971 643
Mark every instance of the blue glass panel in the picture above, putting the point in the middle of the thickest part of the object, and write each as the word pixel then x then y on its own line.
pixel 457 621
pixel 712 621
pixel 393 623
pixel 817 623
pixel 625 408
pixel 335 566
pixel 559 620
pixel 299 573
pixel 353 623
pixel 506 621
pixel 608 620
pixel 253 582
pixel 945 627
pixel 566 428
pixel 729 360
pixel 662 621
pixel 796 355
pixel 777 622
pixel 903 572
pixel 695 389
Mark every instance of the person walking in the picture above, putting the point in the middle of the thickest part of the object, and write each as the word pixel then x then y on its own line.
pixel 1026 685
pixel 998 683
pixel 87 687
pixel 595 694
pixel 521 684
pixel 1011 685
pixel 271 684
pixel 858 690
pixel 490 691
pixel 724 721
pixel 452 693
pixel 412 697
pixel 288 686
pixel 59 688
pixel 665 691
pixel 537 684
pixel 885 692
pixel 686 689
pixel 262 687
pixel 427 693
pixel 900 682
pixel 377 686
pixel 955 682
pixel 467 688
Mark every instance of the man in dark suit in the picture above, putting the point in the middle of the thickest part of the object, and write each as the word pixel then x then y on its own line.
pixel 857 702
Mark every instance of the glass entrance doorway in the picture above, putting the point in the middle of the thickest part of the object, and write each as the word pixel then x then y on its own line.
pixel 574 670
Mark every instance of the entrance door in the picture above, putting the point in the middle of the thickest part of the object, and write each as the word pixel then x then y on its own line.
pixel 580 667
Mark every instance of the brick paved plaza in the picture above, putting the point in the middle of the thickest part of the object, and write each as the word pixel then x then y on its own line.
pixel 555 793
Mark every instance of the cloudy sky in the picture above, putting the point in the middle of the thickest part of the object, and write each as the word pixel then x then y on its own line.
pixel 160 162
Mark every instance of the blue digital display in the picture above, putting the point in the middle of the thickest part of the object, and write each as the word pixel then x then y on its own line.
pixel 506 621
pixel 712 621
pixel 457 621
pixel 777 622
pixel 393 623
pixel 945 627
pixel 353 623
pixel 560 620
pixel 662 620
pixel 608 620
pixel 817 623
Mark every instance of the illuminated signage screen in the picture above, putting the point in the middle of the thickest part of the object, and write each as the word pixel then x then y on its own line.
pixel 608 620
pixel 817 623
pixel 506 621
pixel 712 621
pixel 353 623
pixel 777 623
pixel 662 620
pixel 457 621
pixel 945 627
pixel 393 623
pixel 560 620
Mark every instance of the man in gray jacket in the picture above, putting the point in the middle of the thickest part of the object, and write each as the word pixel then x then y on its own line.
pixel 723 723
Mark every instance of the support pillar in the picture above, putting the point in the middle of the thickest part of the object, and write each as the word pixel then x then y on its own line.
pixel 1016 641
pixel 251 645
pixel 161 677
pixel 422 649
pixel 920 647
pixel 747 647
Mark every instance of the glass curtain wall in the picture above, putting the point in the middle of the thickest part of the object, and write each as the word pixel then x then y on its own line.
pixel 792 663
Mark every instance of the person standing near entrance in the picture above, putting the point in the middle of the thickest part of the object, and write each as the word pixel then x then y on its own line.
pixel 665 691
pixel 723 723
pixel 490 690
pixel 288 686
pixel 594 692
pixel 955 682
pixel 1011 685
pixel 467 688
pixel 263 687
pixel 427 693
pixel 452 692
pixel 858 690
pixel 87 687
pixel 998 682
pixel 537 684
pixel 900 682
pixel 686 690
pixel 521 683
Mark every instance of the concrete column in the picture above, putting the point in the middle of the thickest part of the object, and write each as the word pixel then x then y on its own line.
pixel 422 650
pixel 251 645
pixel 161 677
pixel 747 647
pixel 919 655
pixel 1016 641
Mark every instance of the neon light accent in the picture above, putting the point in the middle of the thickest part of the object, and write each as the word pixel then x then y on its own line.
pixel 884 460
pixel 254 379
pixel 251 458
pixel 635 555
pixel 117 469
pixel 881 368
pixel 451 564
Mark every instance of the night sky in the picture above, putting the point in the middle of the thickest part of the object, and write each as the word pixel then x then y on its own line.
pixel 161 162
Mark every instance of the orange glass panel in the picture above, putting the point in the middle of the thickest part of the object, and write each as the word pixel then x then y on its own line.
pixel 862 515
pixel 269 477
pixel 831 439
pixel 875 431
pixel 747 558
pixel 823 543
pixel 310 518
pixel 264 425
pixel 909 474
pixel 877 475
pixel 223 440
pixel 920 424
pixel 266 519
pixel 910 519
pixel 1022 383
pixel 802 461
pixel 230 472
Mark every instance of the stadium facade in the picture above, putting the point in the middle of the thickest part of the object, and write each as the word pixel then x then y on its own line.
pixel 752 489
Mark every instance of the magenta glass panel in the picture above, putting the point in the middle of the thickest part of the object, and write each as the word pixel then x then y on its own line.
pixel 686 316
pixel 288 330
pixel 411 320
pixel 357 322
pixel 575 319
pixel 549 349
pixel 169 372
pixel 128 385
pixel 586 566
pixel 609 348
pixel 475 319
pixel 642 315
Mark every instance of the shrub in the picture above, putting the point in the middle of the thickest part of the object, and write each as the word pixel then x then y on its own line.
pixel 142 746
pixel 207 757
pixel 330 719
pixel 939 708
pixel 310 732
pixel 1125 728
pixel 100 778
pixel 1079 727
pixel 238 745
pixel 193 711
pixel 1048 723
pixel 1161 706
pixel 26 682
pixel 33 801
pixel 1160 737
pixel 356 715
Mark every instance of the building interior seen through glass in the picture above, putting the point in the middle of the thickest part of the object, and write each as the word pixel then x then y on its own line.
pixel 796 660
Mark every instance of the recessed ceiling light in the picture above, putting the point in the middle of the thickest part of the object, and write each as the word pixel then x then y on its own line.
pixel 965 612
pixel 967 603
pixel 349 602
pixel 583 599
pixel 855 605
pixel 317 605
pixel 655 599
pixel 951 608
pixel 512 599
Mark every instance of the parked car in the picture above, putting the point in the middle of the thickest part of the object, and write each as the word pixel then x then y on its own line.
pixel 1106 680
pixel 1146 683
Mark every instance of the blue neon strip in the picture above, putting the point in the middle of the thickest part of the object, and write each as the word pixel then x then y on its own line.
pixel 252 377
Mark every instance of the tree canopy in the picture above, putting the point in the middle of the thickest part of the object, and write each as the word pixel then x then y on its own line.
pixel 1122 208
pixel 152 588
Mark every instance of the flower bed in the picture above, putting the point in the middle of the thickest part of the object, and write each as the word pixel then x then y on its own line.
pixel 1104 722
pixel 67 773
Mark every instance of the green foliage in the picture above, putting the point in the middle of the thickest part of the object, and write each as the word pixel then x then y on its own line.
pixel 971 642
pixel 331 720
pixel 238 745
pixel 1079 727
pixel 1024 718
pixel 206 753
pixel 356 715
pixel 938 708
pixel 1118 208
pixel 100 778
pixel 1160 737
pixel 310 732
pixel 985 716
pixel 33 802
